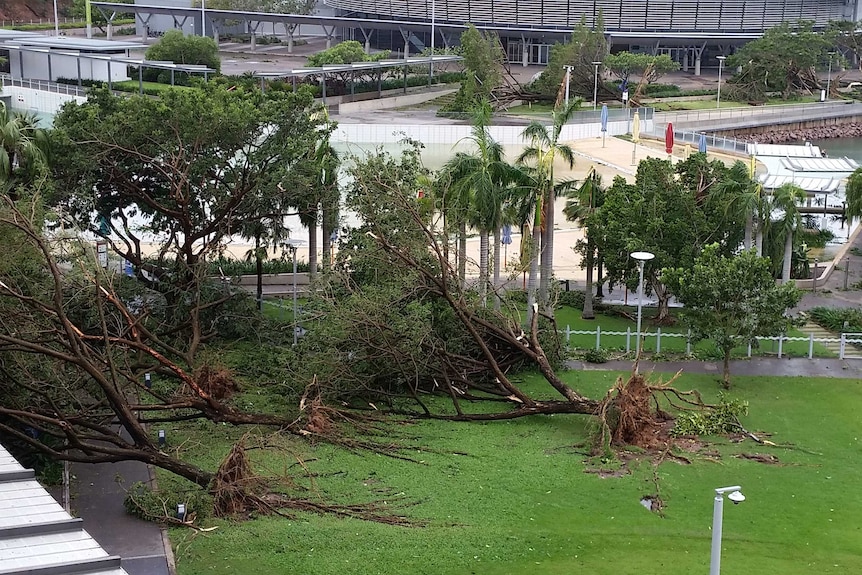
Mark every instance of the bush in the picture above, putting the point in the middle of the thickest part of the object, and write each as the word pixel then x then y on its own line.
pixel 723 418
pixel 233 267
pixel 155 505
pixel 839 320
pixel 600 355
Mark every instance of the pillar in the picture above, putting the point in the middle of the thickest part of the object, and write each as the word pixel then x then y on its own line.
pixel 697 65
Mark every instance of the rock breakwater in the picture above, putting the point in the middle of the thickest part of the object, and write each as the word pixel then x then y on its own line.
pixel 778 136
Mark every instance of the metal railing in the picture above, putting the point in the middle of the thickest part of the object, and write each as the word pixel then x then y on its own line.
pixel 44 85
pixel 849 343
pixel 713 142
pixel 614 115
pixel 783 111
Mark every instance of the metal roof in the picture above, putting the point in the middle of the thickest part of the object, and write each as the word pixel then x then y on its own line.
pixel 36 533
pixel 76 43
pixel 785 151
pixel 161 64
pixel 834 165
pixel 341 68
pixel 15 34
pixel 810 185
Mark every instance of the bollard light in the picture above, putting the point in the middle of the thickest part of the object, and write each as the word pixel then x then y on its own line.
pixel 735 495
pixel 162 438
pixel 642 258
pixel 181 511
pixel 148 382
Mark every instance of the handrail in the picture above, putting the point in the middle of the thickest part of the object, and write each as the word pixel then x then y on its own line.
pixel 44 85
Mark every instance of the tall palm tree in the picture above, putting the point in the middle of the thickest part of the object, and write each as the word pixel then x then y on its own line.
pixel 24 147
pixel 854 195
pixel 543 149
pixel 787 198
pixel 579 207
pixel 745 196
pixel 481 179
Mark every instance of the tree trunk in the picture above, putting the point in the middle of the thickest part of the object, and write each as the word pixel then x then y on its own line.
pixel 483 267
pixel 258 268
pixel 663 296
pixel 758 240
pixel 749 230
pixel 532 283
pixel 326 228
pixel 191 472
pixel 725 381
pixel 312 245
pixel 588 312
pixel 547 254
pixel 496 281
pixel 462 251
pixel 788 256
pixel 600 290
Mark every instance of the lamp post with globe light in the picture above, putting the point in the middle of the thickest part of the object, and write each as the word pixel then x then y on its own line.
pixel 721 60
pixel 596 85
pixel 642 258
pixel 735 495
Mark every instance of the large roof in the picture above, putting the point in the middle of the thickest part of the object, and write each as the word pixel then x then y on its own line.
pixel 37 535
pixel 75 43
pixel 785 151
pixel 809 184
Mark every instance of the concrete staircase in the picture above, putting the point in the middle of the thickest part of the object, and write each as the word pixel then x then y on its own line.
pixel 819 333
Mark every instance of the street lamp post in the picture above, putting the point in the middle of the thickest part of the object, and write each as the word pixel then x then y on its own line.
pixel 737 497
pixel 829 75
pixel 204 18
pixel 433 22
pixel 642 258
pixel 568 78
pixel 721 60
pixel 596 85
pixel 56 24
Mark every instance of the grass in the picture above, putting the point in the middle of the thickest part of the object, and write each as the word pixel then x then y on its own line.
pixel 517 499
pixel 568 316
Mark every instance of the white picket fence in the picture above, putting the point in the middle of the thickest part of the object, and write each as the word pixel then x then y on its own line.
pixel 850 343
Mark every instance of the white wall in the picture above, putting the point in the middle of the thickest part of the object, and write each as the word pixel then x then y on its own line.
pixel 448 134
pixel 36 67
pixel 47 102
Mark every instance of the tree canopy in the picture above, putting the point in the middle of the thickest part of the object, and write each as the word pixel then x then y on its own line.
pixel 587 45
pixel 731 299
pixel 176 47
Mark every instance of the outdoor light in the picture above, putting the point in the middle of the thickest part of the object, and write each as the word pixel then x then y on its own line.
pixel 641 257
pixel 181 511
pixel 737 497
pixel 829 76
pixel 596 85
pixel 721 60
pixel 148 382
pixel 162 438
pixel 568 77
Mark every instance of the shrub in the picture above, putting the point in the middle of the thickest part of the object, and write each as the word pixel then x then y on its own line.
pixel 600 355
pixel 839 320
pixel 723 418
pixel 156 505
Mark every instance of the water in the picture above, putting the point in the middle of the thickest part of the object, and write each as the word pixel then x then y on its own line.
pixel 842 147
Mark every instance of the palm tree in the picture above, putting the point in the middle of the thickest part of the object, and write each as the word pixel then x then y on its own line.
pixel 746 198
pixel 24 147
pixel 854 195
pixel 581 205
pixel 545 146
pixel 787 198
pixel 480 180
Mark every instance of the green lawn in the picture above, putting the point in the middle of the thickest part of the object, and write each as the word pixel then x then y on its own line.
pixel 517 498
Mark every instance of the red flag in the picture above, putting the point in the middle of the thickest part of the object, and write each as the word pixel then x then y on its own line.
pixel 668 139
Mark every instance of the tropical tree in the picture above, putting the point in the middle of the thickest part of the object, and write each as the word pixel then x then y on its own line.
pixel 853 191
pixel 625 64
pixel 482 178
pixel 787 198
pixel 24 148
pixel 544 147
pixel 581 207
pixel 586 45
pixel 731 300
pixel 483 69
pixel 175 46
pixel 745 197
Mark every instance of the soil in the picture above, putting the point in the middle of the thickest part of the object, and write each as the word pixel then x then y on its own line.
pixel 27 10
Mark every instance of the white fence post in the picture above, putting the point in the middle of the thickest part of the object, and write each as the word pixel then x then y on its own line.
pixel 780 343
pixel 749 350
pixel 843 344
pixel 568 333
pixel 628 339
pixel 810 345
pixel 598 337
pixel 658 340
pixel 688 343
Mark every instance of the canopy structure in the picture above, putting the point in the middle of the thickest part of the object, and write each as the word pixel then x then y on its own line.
pixel 784 150
pixel 840 167
pixel 379 66
pixel 57 63
pixel 810 184
pixel 37 535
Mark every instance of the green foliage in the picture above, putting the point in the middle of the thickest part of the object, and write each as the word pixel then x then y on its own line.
pixel 626 64
pixel 854 195
pixel 587 45
pixel 231 267
pixel 731 299
pixel 600 355
pixel 346 52
pixel 838 320
pixel 483 69
pixel 176 47
pixel 723 418
pixel 782 60
pixel 271 6
pixel 146 503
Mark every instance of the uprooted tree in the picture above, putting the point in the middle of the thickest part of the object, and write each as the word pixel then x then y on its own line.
pixel 395 326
